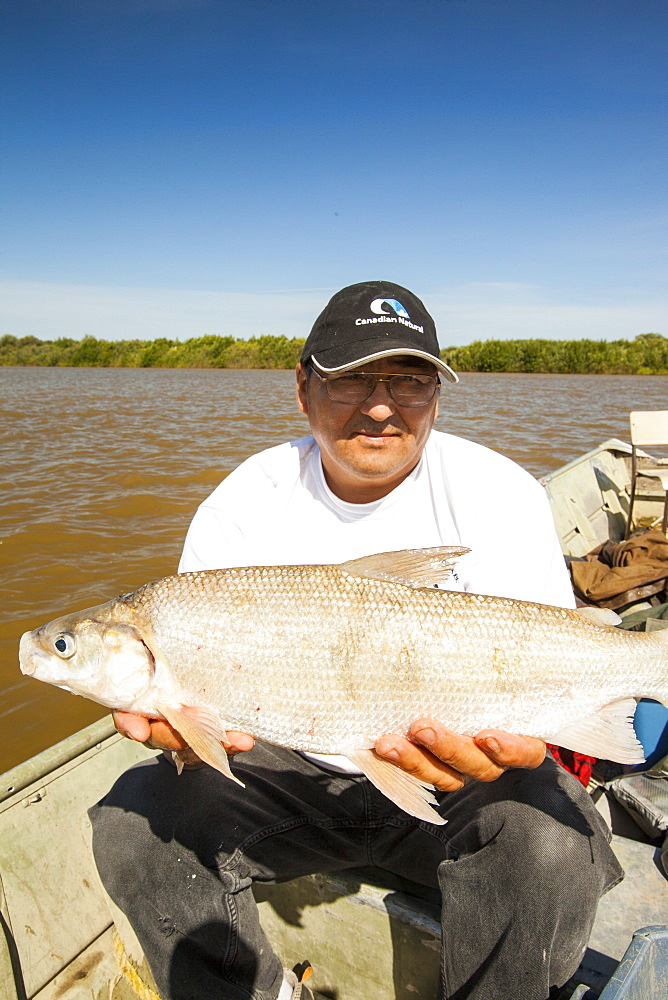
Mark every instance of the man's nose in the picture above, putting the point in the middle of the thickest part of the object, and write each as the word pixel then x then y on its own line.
pixel 380 405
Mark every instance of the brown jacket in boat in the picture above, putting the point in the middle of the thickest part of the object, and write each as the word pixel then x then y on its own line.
pixel 612 570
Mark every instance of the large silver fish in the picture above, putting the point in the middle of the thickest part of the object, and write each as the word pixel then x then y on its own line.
pixel 326 659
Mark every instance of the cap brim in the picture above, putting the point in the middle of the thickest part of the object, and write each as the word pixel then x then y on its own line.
pixel 444 369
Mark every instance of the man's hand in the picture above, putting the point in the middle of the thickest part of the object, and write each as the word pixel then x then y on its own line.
pixel 159 734
pixel 447 760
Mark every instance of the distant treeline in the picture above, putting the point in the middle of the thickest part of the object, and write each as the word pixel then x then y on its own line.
pixel 646 355
pixel 199 352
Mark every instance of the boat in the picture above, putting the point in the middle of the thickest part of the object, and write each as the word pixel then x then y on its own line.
pixel 61 938
pixel 589 497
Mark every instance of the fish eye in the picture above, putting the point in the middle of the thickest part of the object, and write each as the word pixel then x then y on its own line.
pixel 65 645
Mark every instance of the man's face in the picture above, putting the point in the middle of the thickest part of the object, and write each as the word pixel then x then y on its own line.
pixel 368 448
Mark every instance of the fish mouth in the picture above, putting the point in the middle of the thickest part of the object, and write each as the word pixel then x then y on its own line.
pixel 36 662
pixel 27 658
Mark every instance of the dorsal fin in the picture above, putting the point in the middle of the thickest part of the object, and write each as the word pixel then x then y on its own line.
pixel 599 616
pixel 411 567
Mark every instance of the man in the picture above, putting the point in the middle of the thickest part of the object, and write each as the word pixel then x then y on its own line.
pixel 524 856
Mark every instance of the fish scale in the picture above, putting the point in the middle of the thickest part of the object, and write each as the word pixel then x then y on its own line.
pixel 326 659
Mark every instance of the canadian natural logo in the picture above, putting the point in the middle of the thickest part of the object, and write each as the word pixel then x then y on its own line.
pixel 378 307
pixel 378 304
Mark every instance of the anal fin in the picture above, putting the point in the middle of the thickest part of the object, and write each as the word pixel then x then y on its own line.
pixel 608 734
pixel 202 734
pixel 406 791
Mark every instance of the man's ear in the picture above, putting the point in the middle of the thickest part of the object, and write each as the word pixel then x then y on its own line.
pixel 302 390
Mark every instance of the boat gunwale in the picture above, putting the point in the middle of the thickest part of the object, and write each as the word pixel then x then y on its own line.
pixel 612 444
pixel 49 760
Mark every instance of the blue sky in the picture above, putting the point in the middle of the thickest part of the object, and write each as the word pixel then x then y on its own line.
pixel 180 167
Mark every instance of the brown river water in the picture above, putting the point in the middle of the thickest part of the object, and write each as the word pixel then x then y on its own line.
pixel 102 470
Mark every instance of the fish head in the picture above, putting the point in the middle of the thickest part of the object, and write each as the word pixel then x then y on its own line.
pixel 90 654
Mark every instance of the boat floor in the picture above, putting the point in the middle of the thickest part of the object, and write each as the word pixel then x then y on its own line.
pixel 390 951
pixel 362 939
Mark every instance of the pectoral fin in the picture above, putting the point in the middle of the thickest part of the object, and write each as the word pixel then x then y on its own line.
pixel 406 791
pixel 202 733
pixel 608 734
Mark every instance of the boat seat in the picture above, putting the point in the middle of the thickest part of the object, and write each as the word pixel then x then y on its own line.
pixel 648 427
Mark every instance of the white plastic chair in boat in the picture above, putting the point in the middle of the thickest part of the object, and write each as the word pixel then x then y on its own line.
pixel 648 427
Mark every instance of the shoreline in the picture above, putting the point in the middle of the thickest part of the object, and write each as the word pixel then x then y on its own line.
pixel 646 354
pixel 240 368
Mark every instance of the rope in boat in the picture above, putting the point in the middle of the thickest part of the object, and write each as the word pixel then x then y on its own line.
pixel 129 971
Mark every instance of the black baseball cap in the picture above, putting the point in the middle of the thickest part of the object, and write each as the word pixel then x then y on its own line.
pixel 372 320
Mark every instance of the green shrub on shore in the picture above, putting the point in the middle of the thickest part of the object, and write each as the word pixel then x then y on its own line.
pixel 199 352
pixel 647 354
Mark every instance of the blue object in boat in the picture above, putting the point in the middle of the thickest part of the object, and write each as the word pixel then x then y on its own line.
pixel 651 725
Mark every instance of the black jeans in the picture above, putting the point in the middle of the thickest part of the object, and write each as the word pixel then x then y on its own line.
pixel 521 865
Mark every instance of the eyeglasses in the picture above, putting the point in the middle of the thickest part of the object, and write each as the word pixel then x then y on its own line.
pixel 405 390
